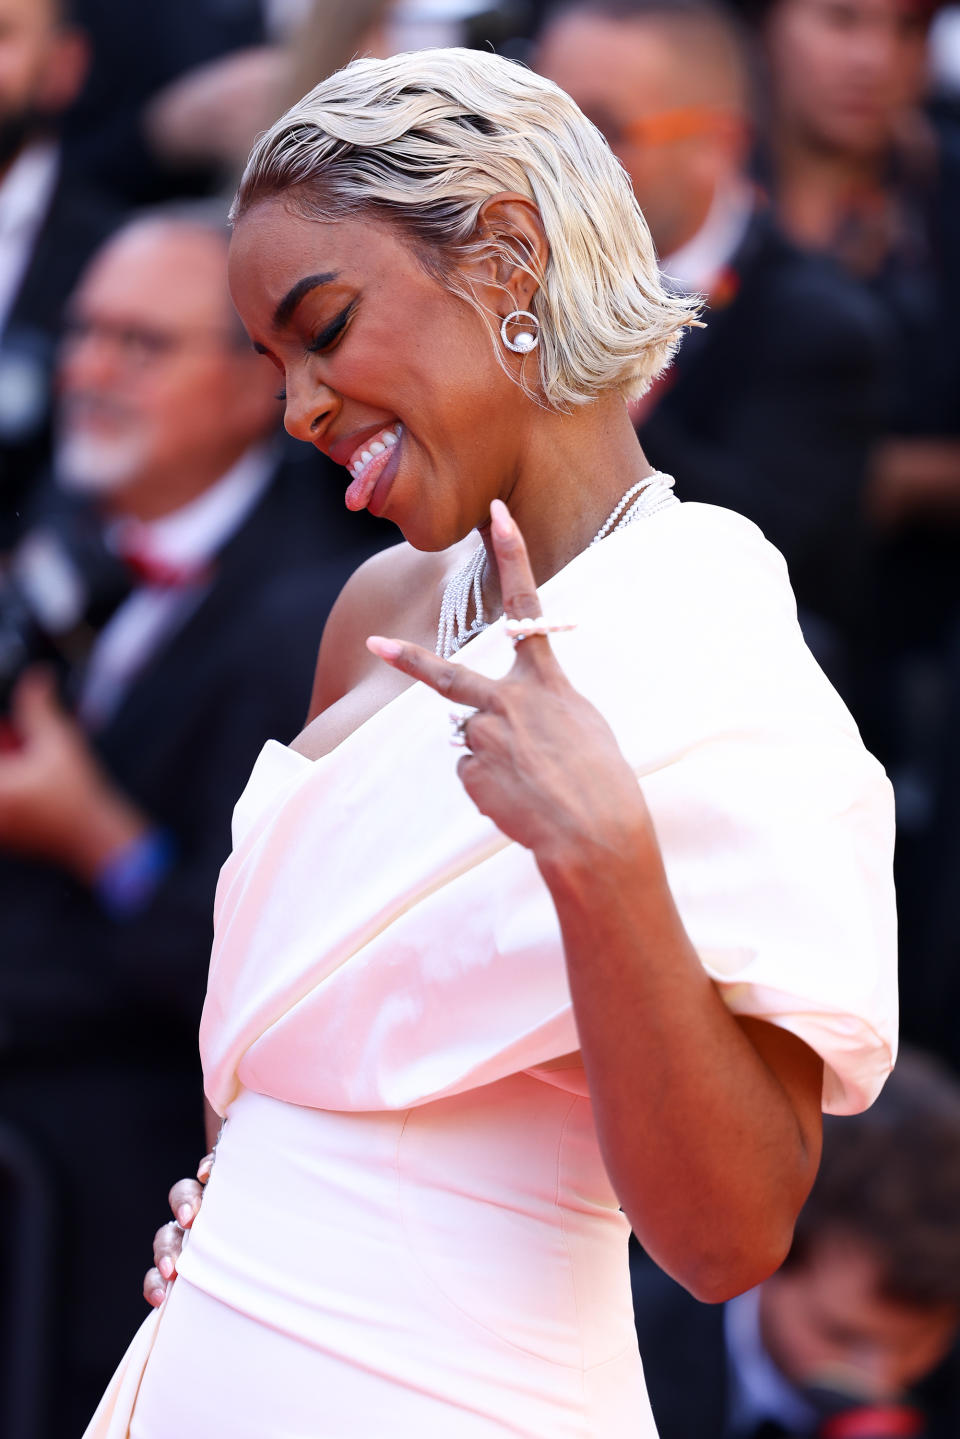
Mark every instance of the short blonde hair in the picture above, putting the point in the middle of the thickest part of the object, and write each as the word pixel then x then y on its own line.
pixel 424 139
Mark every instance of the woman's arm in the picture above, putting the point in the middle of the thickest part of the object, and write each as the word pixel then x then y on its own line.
pixel 709 1126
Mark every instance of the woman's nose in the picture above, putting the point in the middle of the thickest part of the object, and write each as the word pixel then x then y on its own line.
pixel 309 408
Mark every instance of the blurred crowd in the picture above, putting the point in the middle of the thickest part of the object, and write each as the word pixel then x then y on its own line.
pixel 168 558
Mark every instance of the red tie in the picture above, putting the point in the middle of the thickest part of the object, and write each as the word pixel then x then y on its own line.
pixel 150 569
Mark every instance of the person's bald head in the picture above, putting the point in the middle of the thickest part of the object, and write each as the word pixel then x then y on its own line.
pixel 668 82
pixel 43 63
pixel 160 389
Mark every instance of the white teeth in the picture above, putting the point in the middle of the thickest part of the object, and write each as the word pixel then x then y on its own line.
pixel 384 441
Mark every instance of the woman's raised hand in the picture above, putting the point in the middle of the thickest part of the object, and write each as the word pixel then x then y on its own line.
pixel 542 762
pixel 185 1198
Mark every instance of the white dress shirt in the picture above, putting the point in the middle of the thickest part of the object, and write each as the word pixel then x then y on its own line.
pixel 185 539
pixel 25 194
pixel 696 266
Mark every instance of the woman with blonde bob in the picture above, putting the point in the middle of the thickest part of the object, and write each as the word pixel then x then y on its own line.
pixel 469 1019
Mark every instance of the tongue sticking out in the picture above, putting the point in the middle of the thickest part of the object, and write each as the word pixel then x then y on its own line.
pixel 360 490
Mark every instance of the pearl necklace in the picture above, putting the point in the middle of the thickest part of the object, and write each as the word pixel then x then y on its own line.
pixel 647 497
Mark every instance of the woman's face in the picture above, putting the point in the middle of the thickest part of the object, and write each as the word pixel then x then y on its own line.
pixel 380 360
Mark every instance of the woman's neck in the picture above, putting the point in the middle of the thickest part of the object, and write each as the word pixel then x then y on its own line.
pixel 575 468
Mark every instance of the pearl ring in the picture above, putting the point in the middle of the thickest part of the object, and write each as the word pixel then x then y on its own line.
pixel 519 630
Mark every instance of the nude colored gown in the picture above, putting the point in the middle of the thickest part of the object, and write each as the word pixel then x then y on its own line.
pixel 409 1230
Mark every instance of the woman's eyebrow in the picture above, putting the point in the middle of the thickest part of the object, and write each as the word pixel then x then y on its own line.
pixel 287 306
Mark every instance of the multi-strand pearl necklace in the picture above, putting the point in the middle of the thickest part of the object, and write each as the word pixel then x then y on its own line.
pixel 645 498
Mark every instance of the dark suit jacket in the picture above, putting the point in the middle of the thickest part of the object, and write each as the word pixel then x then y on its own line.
pixel 98 1016
pixel 137 50
pixel 77 223
pixel 181 746
pixel 771 410
pixel 685 1363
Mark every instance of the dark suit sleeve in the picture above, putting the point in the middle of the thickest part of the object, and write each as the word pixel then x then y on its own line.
pixel 775 420
pixel 683 1351
pixel 264 674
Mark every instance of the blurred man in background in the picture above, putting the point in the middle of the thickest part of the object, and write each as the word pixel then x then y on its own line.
pixel 773 408
pixel 856 1335
pixel 49 227
pixel 115 808
pixel 858 170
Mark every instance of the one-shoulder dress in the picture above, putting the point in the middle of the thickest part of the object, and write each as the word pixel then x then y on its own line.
pixel 409 1230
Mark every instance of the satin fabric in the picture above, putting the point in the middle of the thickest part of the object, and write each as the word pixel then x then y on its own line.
pixel 380 944
pixel 409 1213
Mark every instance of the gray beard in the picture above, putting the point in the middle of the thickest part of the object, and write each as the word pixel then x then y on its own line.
pixel 84 466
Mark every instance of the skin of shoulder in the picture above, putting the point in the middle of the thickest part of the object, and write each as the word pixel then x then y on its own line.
pixel 393 592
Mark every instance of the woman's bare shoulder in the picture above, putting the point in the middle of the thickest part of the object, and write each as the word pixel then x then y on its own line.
pixel 393 592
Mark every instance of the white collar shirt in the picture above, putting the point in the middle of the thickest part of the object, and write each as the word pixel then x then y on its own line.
pixel 187 538
pixel 756 1389
pixel 697 265
pixel 25 195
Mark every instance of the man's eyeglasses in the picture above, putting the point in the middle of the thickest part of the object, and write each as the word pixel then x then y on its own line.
pixel 141 346
pixel 664 127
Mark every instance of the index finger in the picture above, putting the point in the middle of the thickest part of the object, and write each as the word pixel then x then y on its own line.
pixel 454 682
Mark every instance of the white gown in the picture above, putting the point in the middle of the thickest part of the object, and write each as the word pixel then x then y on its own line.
pixel 409 1230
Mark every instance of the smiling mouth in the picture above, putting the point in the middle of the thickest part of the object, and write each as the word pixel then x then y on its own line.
pixel 368 462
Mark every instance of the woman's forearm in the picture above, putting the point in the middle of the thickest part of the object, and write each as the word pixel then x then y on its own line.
pixel 709 1126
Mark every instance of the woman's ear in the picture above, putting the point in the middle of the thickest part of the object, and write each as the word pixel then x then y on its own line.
pixel 513 260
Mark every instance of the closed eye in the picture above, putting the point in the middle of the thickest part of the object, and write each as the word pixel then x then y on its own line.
pixel 331 332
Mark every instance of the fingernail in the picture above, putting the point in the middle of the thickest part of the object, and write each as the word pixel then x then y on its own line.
pixel 166 1267
pixel 500 521
pixel 157 1297
pixel 385 649
pixel 184 1215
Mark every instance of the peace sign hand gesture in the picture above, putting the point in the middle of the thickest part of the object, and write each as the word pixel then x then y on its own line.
pixel 542 762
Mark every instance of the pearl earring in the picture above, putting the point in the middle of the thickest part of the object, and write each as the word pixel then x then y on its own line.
pixel 527 339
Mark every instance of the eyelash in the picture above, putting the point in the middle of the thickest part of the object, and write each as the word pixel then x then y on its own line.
pixel 325 339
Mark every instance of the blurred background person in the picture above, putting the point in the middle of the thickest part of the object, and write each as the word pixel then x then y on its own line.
pixel 50 224
pixel 206 120
pixel 773 408
pixel 115 807
pixel 857 1333
pixel 177 94
pixel 860 167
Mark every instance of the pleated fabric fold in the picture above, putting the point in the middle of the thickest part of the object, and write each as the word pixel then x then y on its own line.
pixel 379 944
